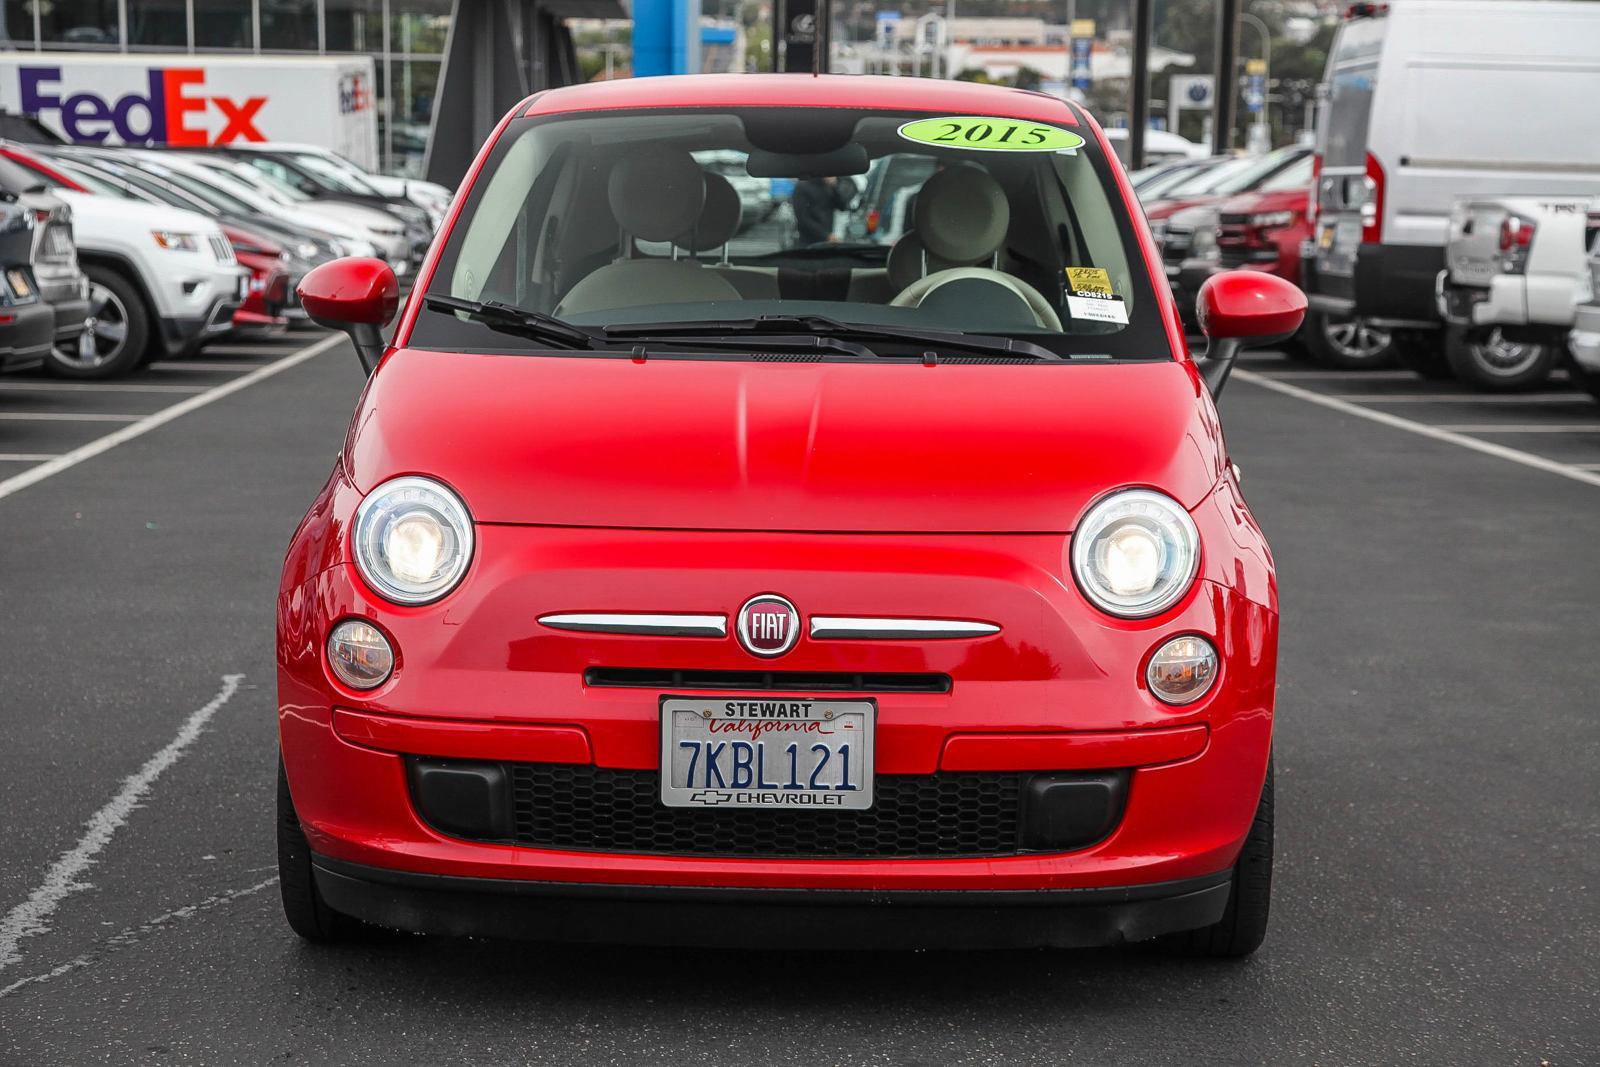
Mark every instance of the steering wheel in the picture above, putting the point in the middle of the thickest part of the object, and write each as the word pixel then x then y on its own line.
pixel 914 294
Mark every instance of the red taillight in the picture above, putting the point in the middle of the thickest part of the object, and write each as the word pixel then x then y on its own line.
pixel 874 218
pixel 1372 205
pixel 1365 10
pixel 1515 232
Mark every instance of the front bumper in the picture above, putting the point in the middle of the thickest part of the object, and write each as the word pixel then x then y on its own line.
pixel 1056 690
pixel 26 332
pixel 1584 340
pixel 769 918
pixel 185 333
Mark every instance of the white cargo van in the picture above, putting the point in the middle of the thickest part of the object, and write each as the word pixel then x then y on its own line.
pixel 1428 101
pixel 197 100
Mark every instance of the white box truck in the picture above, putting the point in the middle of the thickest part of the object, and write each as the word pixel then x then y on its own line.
pixel 198 99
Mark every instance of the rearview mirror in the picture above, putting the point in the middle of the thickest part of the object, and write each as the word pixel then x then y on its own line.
pixel 1244 309
pixel 358 295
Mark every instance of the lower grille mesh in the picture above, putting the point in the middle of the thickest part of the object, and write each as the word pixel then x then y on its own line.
pixel 585 808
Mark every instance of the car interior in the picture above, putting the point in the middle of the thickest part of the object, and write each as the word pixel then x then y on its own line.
pixel 612 219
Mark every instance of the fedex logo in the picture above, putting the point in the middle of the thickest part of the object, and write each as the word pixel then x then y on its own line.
pixel 163 115
pixel 354 94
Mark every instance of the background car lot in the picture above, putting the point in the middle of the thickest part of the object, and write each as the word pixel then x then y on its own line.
pixel 1435 751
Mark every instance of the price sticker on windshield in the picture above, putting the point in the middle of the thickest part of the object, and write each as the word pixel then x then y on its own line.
pixel 985 133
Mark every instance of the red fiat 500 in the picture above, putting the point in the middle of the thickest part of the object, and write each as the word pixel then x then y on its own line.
pixel 688 578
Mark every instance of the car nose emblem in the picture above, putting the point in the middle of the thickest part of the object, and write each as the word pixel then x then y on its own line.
pixel 768 625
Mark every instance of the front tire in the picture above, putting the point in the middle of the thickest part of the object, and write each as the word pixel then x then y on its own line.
pixel 1347 343
pixel 308 915
pixel 1243 926
pixel 1488 360
pixel 117 336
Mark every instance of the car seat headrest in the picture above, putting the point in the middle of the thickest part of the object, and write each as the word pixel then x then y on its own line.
pixel 962 215
pixel 719 217
pixel 656 196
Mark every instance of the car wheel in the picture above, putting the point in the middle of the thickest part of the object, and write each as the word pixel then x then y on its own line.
pixel 117 335
pixel 1243 925
pixel 1347 343
pixel 308 915
pixel 1487 359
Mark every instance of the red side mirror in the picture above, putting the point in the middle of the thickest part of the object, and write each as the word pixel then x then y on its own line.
pixel 356 295
pixel 352 290
pixel 1249 306
pixel 1242 308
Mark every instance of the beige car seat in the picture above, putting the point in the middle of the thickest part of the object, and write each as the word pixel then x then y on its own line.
pixel 718 225
pixel 657 196
pixel 962 216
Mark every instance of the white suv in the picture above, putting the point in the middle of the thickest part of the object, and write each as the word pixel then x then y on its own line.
pixel 161 281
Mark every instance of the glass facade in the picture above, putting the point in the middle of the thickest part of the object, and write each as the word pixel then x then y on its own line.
pixel 406 39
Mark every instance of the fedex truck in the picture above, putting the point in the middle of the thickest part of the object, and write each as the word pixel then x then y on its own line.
pixel 198 99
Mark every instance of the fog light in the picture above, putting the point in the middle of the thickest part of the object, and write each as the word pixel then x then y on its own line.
pixel 1182 669
pixel 359 654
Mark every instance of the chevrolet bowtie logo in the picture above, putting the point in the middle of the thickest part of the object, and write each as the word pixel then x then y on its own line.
pixel 710 796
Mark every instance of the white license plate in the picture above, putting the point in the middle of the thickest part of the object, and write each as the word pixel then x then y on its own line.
pixel 775 752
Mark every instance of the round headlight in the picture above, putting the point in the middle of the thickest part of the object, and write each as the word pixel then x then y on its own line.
pixel 1182 670
pixel 1135 553
pixel 359 654
pixel 413 540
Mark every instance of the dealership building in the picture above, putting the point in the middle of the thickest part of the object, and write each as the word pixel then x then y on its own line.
pixel 444 70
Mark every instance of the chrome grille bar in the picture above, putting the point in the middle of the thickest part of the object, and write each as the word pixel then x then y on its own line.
pixel 851 628
pixel 599 622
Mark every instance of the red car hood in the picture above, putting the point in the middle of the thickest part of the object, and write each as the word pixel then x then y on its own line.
pixel 1160 209
pixel 739 445
pixel 1261 203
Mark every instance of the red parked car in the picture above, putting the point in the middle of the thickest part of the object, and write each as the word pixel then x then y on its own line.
pixel 671 592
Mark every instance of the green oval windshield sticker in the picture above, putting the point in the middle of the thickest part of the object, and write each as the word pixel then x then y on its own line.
pixel 985 133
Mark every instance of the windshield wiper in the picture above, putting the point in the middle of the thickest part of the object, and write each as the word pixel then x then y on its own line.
pixel 822 326
pixel 508 318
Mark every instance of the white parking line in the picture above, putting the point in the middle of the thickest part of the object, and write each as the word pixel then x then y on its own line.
pixel 1489 427
pixel 133 934
pixel 65 875
pixel 111 440
pixel 1350 375
pixel 96 387
pixel 1488 448
pixel 66 416
pixel 26 457
pixel 1467 398
pixel 242 365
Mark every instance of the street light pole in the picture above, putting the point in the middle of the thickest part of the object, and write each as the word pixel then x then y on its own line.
pixel 1139 105
pixel 1227 56
pixel 1266 63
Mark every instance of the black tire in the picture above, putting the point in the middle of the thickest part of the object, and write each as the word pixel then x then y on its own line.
pixel 303 906
pixel 117 342
pixel 1346 343
pixel 1486 359
pixel 1243 925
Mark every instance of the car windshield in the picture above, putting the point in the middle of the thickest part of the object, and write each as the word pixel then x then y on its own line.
pixel 334 177
pixel 1206 181
pixel 671 224
pixel 1161 184
pixel 92 181
pixel 1257 170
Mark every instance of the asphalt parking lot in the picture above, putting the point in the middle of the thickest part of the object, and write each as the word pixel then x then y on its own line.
pixel 1438 878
